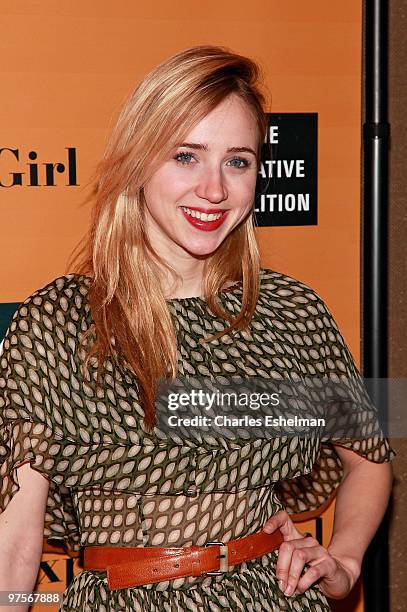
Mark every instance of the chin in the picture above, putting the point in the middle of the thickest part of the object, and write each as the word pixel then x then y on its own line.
pixel 202 250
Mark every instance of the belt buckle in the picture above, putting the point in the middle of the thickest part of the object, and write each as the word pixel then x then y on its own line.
pixel 224 558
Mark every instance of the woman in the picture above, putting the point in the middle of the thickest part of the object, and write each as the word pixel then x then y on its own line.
pixel 170 285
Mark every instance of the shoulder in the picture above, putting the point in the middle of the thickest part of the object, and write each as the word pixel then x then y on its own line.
pixel 60 290
pixel 43 331
pixel 62 293
pixel 291 291
pixel 60 303
pixel 296 302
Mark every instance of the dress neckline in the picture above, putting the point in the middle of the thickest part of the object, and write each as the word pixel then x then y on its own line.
pixel 231 290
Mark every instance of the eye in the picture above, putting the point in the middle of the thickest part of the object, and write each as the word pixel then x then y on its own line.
pixel 241 162
pixel 184 157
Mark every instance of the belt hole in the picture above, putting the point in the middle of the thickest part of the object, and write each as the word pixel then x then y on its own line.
pixel 176 564
pixel 155 569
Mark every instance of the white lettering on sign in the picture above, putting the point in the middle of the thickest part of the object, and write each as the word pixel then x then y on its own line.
pixel 289 202
pixel 272 134
pixel 282 168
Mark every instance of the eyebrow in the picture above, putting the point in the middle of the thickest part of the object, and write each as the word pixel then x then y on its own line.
pixel 196 145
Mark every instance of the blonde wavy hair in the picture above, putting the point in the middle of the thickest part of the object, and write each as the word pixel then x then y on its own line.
pixel 130 314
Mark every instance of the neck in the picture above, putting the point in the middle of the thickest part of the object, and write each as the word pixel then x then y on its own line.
pixel 190 271
pixel 188 267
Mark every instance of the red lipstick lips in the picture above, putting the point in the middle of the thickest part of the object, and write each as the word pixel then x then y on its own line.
pixel 206 226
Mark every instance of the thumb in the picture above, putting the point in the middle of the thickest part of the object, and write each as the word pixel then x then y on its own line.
pixel 282 521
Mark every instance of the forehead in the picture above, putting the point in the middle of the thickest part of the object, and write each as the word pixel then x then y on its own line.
pixel 231 119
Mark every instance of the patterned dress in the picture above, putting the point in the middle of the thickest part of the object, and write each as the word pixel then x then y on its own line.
pixel 112 484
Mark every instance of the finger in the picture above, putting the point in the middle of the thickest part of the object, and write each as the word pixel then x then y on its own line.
pixel 276 522
pixel 282 521
pixel 316 572
pixel 283 564
pixel 299 558
pixel 308 543
pixel 298 561
pixel 285 553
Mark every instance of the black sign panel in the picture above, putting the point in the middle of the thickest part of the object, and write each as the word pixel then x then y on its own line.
pixel 287 185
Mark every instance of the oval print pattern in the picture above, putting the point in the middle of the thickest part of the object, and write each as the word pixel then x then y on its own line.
pixel 112 484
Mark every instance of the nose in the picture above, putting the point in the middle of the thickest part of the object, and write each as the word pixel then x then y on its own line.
pixel 211 185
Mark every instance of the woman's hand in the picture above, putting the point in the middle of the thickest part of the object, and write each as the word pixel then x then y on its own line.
pixel 335 576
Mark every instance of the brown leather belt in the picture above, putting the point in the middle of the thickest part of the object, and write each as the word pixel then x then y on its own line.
pixel 134 566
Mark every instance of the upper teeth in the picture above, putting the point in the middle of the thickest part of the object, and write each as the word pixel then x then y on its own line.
pixel 201 215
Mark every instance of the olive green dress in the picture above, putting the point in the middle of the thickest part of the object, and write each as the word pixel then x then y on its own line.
pixel 111 484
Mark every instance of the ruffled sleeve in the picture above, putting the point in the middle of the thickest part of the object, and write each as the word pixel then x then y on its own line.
pixel 352 422
pixel 28 430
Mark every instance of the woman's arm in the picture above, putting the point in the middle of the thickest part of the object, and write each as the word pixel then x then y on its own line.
pixel 361 502
pixel 21 534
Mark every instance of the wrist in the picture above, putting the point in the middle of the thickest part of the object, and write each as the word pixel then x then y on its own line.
pixel 352 565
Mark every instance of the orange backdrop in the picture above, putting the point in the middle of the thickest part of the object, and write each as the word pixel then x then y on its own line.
pixel 66 68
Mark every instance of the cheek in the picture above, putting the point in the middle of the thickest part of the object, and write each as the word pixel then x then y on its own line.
pixel 164 187
pixel 245 193
pixel 154 194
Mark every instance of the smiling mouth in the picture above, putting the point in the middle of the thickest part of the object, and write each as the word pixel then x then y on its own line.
pixel 202 216
pixel 203 221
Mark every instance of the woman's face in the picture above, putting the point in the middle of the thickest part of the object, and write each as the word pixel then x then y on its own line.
pixel 206 186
